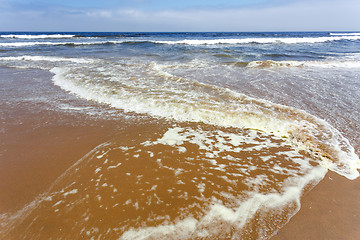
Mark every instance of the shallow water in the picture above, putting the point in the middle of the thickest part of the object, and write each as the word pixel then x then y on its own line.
pixel 215 135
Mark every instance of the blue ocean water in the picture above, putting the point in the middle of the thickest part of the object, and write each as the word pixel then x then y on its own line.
pixel 245 123
pixel 297 46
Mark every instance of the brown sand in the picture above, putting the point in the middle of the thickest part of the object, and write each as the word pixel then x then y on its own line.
pixel 39 150
pixel 42 148
pixel 37 147
pixel 330 211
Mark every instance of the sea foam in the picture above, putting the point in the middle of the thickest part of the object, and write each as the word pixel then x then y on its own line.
pixel 317 64
pixel 345 34
pixel 167 96
pixel 46 58
pixel 40 36
pixel 289 40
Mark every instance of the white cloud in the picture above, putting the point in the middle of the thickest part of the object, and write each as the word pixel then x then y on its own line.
pixel 303 15
pixel 311 16
pixel 100 14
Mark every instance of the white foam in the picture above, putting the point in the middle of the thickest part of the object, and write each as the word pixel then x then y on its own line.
pixel 68 107
pixel 40 36
pixel 27 44
pixel 184 228
pixel 103 153
pixel 317 64
pixel 74 191
pixel 344 34
pixel 172 137
pixel 261 40
pixel 117 165
pixel 167 96
pixel 43 43
pixel 212 223
pixel 289 40
pixel 222 148
pixel 46 58
pixel 58 203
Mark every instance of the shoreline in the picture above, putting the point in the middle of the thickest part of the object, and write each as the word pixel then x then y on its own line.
pixel 36 134
pixel 39 142
pixel 329 211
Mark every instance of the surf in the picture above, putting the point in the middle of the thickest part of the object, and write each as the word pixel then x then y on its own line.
pixel 166 96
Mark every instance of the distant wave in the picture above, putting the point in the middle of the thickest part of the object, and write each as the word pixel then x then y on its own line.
pixel 188 41
pixel 46 58
pixel 261 40
pixel 321 64
pixel 344 34
pixel 29 44
pixel 79 43
pixel 42 36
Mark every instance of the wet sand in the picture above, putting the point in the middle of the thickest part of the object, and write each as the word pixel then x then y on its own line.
pixel 35 156
pixel 37 141
pixel 40 145
pixel 42 151
pixel 331 210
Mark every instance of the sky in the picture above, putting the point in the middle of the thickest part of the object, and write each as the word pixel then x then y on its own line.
pixel 179 15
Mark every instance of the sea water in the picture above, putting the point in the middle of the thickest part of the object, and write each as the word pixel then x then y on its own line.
pixel 235 127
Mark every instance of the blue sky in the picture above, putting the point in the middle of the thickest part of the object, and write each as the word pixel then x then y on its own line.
pixel 179 15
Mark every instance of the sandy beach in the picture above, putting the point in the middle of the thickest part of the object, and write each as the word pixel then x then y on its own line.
pixel 331 210
pixel 42 147
pixel 179 136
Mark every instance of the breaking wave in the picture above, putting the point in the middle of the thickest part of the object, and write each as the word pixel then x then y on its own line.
pixel 186 42
pixel 262 40
pixel 161 94
pixel 318 64
pixel 29 44
pixel 146 88
pixel 45 58
pixel 41 36
pixel 344 34
pixel 238 174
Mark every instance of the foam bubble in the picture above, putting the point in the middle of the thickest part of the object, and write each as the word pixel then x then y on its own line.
pixel 46 58
pixel 74 191
pixel 181 99
pixel 261 40
pixel 318 64
pixel 215 197
pixel 255 206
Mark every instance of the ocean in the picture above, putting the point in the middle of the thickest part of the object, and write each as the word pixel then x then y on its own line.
pixel 172 135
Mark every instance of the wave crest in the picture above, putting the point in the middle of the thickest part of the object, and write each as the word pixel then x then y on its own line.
pixel 167 96
pixel 41 36
pixel 320 64
pixel 261 40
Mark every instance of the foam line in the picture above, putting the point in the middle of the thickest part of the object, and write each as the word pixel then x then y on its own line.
pixel 41 36
pixel 188 100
